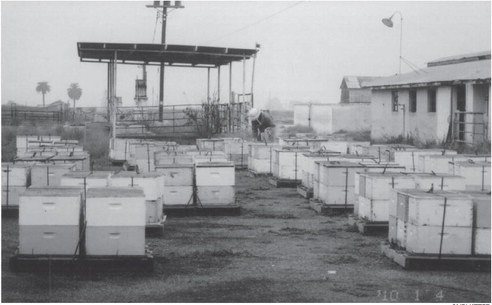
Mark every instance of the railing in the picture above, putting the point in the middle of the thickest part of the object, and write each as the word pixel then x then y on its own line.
pixel 470 127
pixel 12 115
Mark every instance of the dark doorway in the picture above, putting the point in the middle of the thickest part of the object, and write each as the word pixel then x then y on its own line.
pixel 461 106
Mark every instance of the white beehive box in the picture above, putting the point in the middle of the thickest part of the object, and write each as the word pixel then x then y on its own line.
pixel 476 174
pixel 401 233
pixel 237 147
pixel 307 165
pixel 380 186
pixel 440 181
pixel 373 209
pixel 427 239
pixel 260 157
pixel 410 158
pixel 338 146
pixel 176 174
pixel 210 144
pixel 216 195
pixel 440 164
pixel 115 206
pixel 215 174
pixel 178 195
pixel 118 149
pixel 151 183
pixel 115 241
pixel 286 163
pixel 371 167
pixel 60 206
pixel 209 158
pixel 392 227
pixel 482 241
pixel 10 195
pixel 354 158
pixel 481 208
pixel 92 179
pixel 153 211
pixel 34 159
pixel 22 141
pixel 173 159
pixel 18 174
pixel 49 174
pixel 48 240
pixel 336 182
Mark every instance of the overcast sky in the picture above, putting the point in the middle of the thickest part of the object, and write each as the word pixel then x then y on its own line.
pixel 306 47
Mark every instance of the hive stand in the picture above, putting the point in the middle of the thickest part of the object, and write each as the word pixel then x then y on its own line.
pixel 411 261
pixel 366 227
pixel 305 191
pixel 330 209
pixel 254 174
pixel 284 182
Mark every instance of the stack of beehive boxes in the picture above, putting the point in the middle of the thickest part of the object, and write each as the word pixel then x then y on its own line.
pixel 81 159
pixel 237 152
pixel 286 162
pixel 215 144
pixel 177 184
pixel 441 164
pixel 215 183
pixel 164 157
pixel 50 221
pixel 49 174
pixel 115 219
pixel 476 174
pixel 23 143
pixel 438 181
pixel 153 187
pixel 208 156
pixel 15 179
pixel 91 179
pixel 382 152
pixel 260 157
pixel 307 164
pixel 410 158
pixel 440 222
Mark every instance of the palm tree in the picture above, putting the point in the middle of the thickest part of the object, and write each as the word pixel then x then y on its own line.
pixel 74 92
pixel 44 88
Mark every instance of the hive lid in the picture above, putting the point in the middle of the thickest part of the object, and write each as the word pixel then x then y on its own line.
pixel 68 158
pixel 433 175
pixel 35 158
pixel 452 157
pixel 67 165
pixel 115 192
pixel 322 154
pixel 349 156
pixel 477 194
pixel 94 174
pixel 344 164
pixel 129 174
pixel 436 193
pixel 215 164
pixel 211 140
pixel 175 165
pixel 292 149
pixel 14 165
pixel 470 163
pixel 53 191
pixel 387 174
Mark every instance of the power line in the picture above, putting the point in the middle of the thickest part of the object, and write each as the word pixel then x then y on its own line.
pixel 256 22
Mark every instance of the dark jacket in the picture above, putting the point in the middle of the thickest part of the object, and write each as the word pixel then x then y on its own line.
pixel 264 121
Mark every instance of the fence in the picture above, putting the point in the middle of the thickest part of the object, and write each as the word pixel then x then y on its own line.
pixel 470 127
pixel 16 116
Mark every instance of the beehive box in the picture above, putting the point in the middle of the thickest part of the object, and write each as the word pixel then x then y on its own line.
pixel 354 158
pixel 481 208
pixel 336 182
pixel 153 211
pixel 118 149
pixel 33 159
pixel 215 174
pixel 427 240
pixel 92 179
pixel 410 158
pixel 176 174
pixel 373 209
pixel 151 183
pixel 178 195
pixel 210 144
pixel 202 158
pixel 260 157
pixel 286 162
pixel 476 174
pixel 15 174
pixel 81 160
pixel 370 167
pixel 48 240
pixel 307 165
pixel 440 164
pixel 23 140
pixel 216 195
pixel 422 208
pixel 439 181
pixel 10 195
pixel 115 241
pixel 392 228
pixel 173 159
pixel 50 206
pixel 380 186
pixel 401 233
pixel 49 174
pixel 115 206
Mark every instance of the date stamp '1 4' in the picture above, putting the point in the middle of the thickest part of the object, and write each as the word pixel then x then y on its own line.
pixel 415 295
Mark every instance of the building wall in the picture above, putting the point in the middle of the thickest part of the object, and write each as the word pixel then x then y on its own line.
pixel 330 118
pixel 359 96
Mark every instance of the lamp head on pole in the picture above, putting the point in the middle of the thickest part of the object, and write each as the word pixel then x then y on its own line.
pixel 388 22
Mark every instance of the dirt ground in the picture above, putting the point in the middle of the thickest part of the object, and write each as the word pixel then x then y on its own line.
pixel 278 250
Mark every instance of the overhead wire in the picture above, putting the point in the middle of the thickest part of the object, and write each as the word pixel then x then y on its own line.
pixel 256 22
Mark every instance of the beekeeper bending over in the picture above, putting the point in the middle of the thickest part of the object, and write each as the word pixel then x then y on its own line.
pixel 262 125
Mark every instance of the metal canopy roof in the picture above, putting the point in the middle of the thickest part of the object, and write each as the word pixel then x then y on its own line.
pixel 154 54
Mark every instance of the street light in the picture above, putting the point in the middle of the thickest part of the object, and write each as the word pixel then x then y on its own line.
pixel 389 23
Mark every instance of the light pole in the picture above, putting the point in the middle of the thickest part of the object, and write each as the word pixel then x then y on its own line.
pixel 389 23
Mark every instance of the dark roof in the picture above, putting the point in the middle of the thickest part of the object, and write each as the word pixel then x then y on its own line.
pixel 356 82
pixel 459 58
pixel 436 75
pixel 153 54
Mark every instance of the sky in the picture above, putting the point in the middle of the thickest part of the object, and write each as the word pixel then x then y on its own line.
pixel 306 46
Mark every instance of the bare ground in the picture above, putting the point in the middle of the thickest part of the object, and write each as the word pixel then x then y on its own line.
pixel 278 250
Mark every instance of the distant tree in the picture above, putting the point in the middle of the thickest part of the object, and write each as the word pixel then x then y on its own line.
pixel 44 88
pixel 74 92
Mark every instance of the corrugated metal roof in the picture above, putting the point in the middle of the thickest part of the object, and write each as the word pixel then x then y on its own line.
pixel 460 58
pixel 356 82
pixel 436 75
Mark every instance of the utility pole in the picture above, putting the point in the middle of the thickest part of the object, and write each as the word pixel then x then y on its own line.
pixel 164 6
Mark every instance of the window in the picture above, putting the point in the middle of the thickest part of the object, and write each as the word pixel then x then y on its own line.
pixel 394 101
pixel 431 100
pixel 412 98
